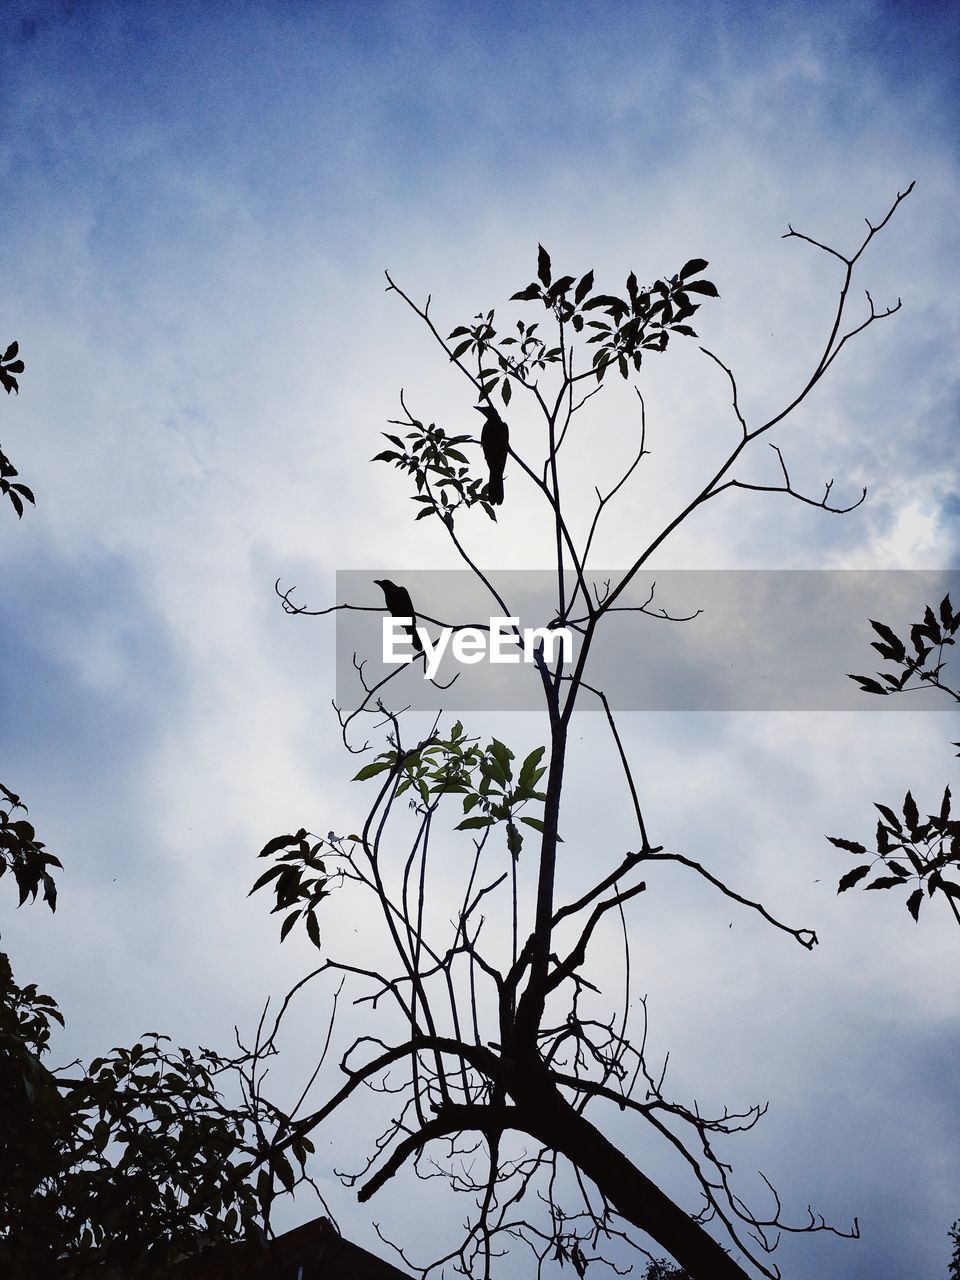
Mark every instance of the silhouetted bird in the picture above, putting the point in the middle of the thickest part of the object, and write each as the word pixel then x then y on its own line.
pixel 400 606
pixel 495 442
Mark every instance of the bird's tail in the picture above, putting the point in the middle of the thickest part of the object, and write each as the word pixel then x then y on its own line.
pixel 495 490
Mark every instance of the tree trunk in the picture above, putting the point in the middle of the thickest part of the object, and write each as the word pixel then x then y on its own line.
pixel 555 1123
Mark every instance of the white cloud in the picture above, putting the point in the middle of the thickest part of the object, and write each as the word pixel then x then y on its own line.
pixel 210 356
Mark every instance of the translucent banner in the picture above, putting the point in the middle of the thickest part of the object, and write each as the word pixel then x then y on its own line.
pixel 677 640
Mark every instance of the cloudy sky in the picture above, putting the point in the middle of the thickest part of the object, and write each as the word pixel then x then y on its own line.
pixel 199 202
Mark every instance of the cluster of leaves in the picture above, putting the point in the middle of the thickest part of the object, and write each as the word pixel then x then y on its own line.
pixel 482 339
pixel 440 470
pixel 657 1268
pixel 135 1165
pixel 913 851
pixel 25 1018
pixel 928 639
pixel 483 776
pixel 641 321
pixel 30 1104
pixel 10 364
pixel 908 851
pixel 23 854
pixel 17 493
pixel 564 1253
pixel 300 879
pixel 954 1272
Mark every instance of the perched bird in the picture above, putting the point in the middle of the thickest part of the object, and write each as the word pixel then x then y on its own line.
pixel 400 605
pixel 495 443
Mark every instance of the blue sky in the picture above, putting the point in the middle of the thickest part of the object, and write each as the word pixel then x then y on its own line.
pixel 199 203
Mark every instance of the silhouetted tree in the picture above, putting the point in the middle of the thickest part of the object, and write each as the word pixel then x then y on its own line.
pixel 507 1052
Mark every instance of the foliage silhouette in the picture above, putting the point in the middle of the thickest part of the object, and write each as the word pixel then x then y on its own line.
pixel 10 365
pixel 916 852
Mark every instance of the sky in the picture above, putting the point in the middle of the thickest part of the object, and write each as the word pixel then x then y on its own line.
pixel 200 202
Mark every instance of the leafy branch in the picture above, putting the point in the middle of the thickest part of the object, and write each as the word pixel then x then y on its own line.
pixel 10 365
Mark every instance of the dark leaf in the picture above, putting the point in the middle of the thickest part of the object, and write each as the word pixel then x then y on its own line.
pixel 49 894
pixel 913 903
pixel 543 266
pixel 886 651
pixel 10 352
pixel 280 842
pixel 851 878
pixel 584 287
pixel 910 812
pixel 266 878
pixel 867 685
pixel 917 635
pixel 529 294
pixel 692 267
pixel 377 766
pixel 884 882
pixel 851 845
pixel 528 770
pixel 313 929
pixel 288 924
pixel 705 287
pixel 605 300
pixel 514 840
pixel 890 816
